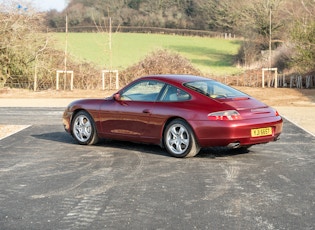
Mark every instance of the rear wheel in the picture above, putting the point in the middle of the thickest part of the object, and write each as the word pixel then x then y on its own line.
pixel 83 129
pixel 179 139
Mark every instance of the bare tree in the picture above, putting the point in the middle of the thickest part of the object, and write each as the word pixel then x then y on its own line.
pixel 21 41
pixel 261 24
pixel 303 34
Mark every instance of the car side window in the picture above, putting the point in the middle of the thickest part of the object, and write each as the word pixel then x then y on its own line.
pixel 146 90
pixel 172 93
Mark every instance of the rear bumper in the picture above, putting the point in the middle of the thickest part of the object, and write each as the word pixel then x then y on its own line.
pixel 222 133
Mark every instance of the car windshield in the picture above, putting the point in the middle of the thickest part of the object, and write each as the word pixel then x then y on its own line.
pixel 213 89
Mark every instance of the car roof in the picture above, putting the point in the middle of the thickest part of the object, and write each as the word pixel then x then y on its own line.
pixel 176 78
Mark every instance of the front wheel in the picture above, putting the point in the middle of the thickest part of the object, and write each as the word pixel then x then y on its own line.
pixel 83 129
pixel 179 139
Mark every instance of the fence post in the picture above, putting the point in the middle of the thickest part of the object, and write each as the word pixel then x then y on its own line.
pixel 272 80
pixel 299 83
pixel 309 82
pixel 291 81
pixel 110 80
pixel 263 79
pixel 64 72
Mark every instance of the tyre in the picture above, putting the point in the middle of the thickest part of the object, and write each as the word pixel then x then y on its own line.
pixel 179 139
pixel 83 129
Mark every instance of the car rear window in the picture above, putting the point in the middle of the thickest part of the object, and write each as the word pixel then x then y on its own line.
pixel 213 89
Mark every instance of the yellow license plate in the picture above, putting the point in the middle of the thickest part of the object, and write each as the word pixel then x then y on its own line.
pixel 261 132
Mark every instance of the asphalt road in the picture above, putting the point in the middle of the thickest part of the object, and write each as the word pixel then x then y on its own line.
pixel 49 182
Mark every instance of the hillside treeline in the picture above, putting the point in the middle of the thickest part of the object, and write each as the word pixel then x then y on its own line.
pixel 184 14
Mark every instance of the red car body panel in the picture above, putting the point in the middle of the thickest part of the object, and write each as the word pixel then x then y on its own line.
pixel 142 121
pixel 227 132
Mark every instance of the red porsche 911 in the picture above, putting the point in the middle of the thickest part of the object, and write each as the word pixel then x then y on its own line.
pixel 181 113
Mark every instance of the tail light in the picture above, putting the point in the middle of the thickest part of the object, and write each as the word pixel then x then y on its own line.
pixel 224 115
pixel 276 113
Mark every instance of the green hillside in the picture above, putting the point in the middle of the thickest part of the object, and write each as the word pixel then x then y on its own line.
pixel 210 55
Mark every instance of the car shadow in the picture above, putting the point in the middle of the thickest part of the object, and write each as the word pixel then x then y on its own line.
pixel 61 137
pixel 126 145
pixel 214 152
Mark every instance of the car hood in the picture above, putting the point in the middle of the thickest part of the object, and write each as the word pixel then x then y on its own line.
pixel 85 103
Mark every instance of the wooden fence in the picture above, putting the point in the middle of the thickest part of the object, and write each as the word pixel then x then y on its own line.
pixel 283 81
pixel 247 80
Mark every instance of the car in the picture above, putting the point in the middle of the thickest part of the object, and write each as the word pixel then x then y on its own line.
pixel 181 113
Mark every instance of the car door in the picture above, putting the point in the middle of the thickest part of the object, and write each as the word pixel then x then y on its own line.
pixel 171 102
pixel 126 117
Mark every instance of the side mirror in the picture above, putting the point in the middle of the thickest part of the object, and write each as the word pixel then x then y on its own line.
pixel 117 97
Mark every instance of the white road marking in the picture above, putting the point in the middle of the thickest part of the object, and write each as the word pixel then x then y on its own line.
pixel 8 130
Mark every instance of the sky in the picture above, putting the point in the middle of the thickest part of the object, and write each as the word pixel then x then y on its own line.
pixel 45 5
pixel 40 5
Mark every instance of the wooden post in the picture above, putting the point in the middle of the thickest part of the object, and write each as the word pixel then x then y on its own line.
pixel 103 78
pixel 64 74
pixel 35 74
pixel 263 79
pixel 66 53
pixel 263 76
pixel 57 80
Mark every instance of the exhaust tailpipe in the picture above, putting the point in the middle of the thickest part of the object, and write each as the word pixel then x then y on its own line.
pixel 234 145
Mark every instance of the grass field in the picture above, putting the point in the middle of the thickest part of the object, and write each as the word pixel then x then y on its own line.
pixel 210 55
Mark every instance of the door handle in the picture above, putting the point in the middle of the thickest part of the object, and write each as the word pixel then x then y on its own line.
pixel 146 111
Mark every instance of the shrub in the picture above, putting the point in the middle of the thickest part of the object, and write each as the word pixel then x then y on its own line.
pixel 159 62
